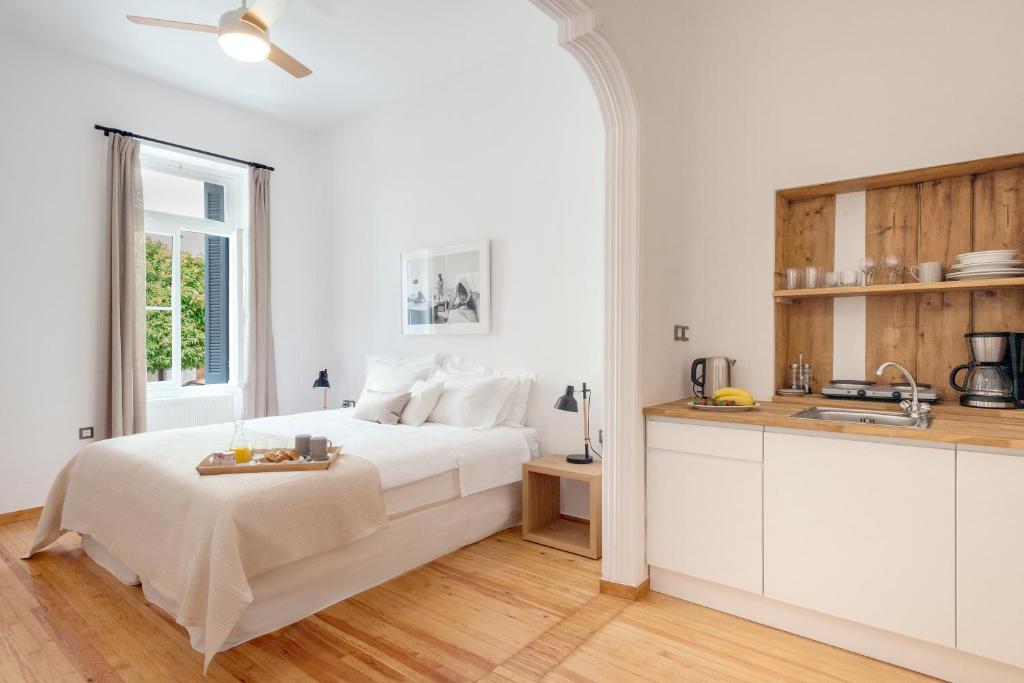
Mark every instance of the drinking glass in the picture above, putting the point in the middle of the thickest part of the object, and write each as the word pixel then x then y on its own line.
pixel 812 277
pixel 868 266
pixel 893 266
pixel 792 278
pixel 831 279
pixel 849 278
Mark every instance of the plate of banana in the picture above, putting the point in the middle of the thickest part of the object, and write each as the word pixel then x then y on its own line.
pixel 726 400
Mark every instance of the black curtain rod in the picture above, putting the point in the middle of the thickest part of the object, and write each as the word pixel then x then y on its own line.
pixel 107 130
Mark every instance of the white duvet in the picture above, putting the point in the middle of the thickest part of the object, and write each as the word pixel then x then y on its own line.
pixel 200 540
pixel 484 458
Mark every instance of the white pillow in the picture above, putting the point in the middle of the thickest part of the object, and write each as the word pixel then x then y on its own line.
pixel 390 374
pixel 514 412
pixel 456 365
pixel 474 402
pixel 375 406
pixel 421 403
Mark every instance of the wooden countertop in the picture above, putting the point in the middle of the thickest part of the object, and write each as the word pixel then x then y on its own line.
pixel 994 429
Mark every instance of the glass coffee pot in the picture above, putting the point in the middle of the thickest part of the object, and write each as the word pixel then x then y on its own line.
pixel 984 380
pixel 989 379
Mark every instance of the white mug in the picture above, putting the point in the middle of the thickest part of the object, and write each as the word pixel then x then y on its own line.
pixel 930 271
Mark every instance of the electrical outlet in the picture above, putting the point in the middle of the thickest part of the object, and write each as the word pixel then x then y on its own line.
pixel 348 403
pixel 85 432
pixel 681 333
pixel 600 436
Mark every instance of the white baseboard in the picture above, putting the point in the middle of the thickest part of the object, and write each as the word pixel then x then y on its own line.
pixel 909 653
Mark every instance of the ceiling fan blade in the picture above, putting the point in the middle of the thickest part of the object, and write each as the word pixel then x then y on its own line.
pixel 284 60
pixel 166 23
pixel 266 12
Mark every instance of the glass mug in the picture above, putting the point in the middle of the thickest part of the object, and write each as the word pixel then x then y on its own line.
pixel 812 277
pixel 793 278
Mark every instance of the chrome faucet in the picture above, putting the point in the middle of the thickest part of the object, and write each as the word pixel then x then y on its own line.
pixel 914 408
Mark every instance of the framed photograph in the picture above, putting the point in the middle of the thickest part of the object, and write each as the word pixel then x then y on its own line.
pixel 447 290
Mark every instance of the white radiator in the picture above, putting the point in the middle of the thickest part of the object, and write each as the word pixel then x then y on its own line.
pixel 190 411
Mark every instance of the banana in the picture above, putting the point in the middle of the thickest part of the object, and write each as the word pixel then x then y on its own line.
pixel 735 399
pixel 733 391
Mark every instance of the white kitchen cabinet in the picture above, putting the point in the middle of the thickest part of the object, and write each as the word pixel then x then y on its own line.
pixel 990 555
pixel 704 502
pixel 863 531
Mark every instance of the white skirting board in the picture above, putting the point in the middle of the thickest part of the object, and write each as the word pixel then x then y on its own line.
pixel 934 660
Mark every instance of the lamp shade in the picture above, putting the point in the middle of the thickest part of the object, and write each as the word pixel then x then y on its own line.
pixel 567 401
pixel 322 382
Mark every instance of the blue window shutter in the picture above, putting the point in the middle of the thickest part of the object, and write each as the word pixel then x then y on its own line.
pixel 217 338
pixel 214 195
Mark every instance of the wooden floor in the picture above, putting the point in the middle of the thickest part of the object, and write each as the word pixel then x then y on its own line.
pixel 499 610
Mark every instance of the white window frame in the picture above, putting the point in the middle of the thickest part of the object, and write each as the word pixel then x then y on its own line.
pixel 233 180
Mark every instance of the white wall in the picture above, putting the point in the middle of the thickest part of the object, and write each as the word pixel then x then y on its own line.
pixel 52 267
pixel 739 98
pixel 511 151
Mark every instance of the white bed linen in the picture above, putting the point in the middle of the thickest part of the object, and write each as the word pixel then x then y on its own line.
pixel 398 501
pixel 485 458
pixel 401 455
pixel 297 590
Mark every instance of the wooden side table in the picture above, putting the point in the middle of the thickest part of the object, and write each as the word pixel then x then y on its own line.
pixel 542 506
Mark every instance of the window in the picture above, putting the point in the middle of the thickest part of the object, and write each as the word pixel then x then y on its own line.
pixel 193 312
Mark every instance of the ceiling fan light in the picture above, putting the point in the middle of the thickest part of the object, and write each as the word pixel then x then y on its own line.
pixel 244 47
pixel 242 40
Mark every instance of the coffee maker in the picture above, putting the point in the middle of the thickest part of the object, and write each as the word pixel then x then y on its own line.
pixel 995 373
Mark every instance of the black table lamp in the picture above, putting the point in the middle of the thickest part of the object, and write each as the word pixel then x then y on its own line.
pixel 323 383
pixel 568 403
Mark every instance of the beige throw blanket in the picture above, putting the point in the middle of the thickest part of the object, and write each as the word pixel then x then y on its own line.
pixel 200 540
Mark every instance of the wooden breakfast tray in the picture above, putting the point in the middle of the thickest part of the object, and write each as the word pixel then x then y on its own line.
pixel 252 466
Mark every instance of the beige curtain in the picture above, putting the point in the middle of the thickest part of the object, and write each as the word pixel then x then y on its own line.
pixel 260 376
pixel 127 347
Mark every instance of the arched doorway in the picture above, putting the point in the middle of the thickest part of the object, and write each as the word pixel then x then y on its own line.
pixel 624 508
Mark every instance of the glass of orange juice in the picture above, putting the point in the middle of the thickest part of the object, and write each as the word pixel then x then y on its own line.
pixel 240 445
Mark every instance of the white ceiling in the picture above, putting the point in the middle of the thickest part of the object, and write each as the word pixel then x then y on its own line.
pixel 362 52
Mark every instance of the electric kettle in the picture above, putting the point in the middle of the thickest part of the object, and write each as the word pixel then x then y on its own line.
pixel 715 374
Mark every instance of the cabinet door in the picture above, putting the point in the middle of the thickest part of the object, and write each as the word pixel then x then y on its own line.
pixel 864 531
pixel 990 555
pixel 704 511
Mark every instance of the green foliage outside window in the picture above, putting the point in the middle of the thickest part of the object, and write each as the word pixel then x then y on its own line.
pixel 193 308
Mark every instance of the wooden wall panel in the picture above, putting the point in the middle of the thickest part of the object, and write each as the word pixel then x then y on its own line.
pixel 809 240
pixel 998 212
pixel 943 319
pixel 892 219
pixel 929 217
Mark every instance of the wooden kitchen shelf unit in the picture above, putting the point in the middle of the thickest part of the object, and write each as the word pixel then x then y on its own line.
pixel 787 295
pixel 929 214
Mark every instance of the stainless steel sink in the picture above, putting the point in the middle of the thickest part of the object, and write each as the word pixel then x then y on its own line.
pixel 889 418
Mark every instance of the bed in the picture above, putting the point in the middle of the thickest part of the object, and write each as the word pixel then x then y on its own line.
pixel 440 488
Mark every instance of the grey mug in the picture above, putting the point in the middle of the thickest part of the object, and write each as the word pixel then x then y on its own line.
pixel 318 446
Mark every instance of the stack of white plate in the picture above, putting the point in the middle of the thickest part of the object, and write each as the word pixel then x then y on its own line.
pixel 980 265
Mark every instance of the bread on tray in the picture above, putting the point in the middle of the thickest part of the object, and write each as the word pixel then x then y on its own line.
pixel 279 455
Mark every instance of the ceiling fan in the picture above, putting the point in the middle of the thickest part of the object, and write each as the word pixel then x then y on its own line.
pixel 243 33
